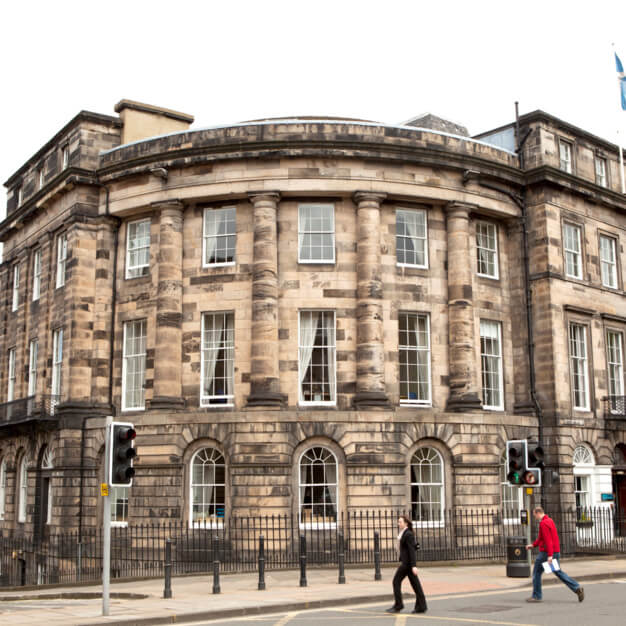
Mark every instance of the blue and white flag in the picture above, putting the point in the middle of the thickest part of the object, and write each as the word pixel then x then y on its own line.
pixel 622 80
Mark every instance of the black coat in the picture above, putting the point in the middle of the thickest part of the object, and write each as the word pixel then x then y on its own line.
pixel 408 549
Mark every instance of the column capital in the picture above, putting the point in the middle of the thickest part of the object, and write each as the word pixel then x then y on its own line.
pixel 171 205
pixel 459 209
pixel 259 196
pixel 374 197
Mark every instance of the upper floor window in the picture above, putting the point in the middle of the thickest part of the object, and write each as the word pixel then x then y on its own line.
pixel 316 357
pixel 32 367
pixel 12 376
pixel 40 177
pixel 15 300
pixel 65 156
pixel 579 368
pixel 61 259
pixel 219 236
pixel 22 490
pixel 207 489
pixel 491 364
pixel 565 156
pixel 487 249
pixel 427 487
pixel 608 261
pixel 19 196
pixel 138 249
pixel 47 465
pixel 318 488
pixel 615 366
pixel 411 238
pixel 37 275
pixel 414 353
pixel 57 362
pixel 3 487
pixel 601 171
pixel 316 233
pixel 573 256
pixel 217 372
pixel 134 365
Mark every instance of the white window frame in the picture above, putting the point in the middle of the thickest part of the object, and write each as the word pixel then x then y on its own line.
pixel 47 464
pixel 61 259
pixel 483 355
pixel 333 348
pixel 65 156
pixel 584 467
pixel 566 150
pixel 608 264
pixel 418 349
pixel 11 378
pixel 23 490
pixel 226 346
pixel 312 525
pixel 432 523
pixel 143 269
pixel 576 254
pixel 3 487
pixel 600 168
pixel 615 365
pixel 139 355
pixel 119 494
pixel 37 274
pixel 579 364
pixel 490 226
pixel 57 363
pixel 15 296
pixel 215 522
pixel 20 196
pixel 416 239
pixel 33 350
pixel 205 237
pixel 302 233
pixel 40 177
pixel 507 489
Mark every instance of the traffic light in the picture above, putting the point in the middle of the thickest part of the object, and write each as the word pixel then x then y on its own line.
pixel 536 462
pixel 122 445
pixel 516 454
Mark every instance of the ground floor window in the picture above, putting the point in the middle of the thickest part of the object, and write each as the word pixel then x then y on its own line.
pixel 427 486
pixel 208 488
pixel 318 487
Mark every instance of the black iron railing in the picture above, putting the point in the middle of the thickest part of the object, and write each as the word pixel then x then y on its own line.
pixel 615 407
pixel 139 550
pixel 32 407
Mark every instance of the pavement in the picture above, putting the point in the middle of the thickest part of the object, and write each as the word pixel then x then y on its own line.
pixel 141 602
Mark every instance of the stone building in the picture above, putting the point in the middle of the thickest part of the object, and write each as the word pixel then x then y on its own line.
pixel 309 316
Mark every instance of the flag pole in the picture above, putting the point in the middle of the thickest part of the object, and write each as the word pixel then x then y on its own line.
pixel 621 162
pixel 619 141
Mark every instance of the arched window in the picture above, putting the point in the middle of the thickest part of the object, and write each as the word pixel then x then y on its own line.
pixel 46 485
pixel 318 487
pixel 22 489
pixel 583 462
pixel 511 497
pixel 427 486
pixel 208 488
pixel 3 487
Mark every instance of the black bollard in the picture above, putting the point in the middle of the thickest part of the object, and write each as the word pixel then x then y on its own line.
pixel 377 574
pixel 167 568
pixel 341 558
pixel 302 561
pixel 261 563
pixel 216 577
pixel 22 571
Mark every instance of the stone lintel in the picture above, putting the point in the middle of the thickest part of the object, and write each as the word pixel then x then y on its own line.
pixel 166 403
pixel 371 400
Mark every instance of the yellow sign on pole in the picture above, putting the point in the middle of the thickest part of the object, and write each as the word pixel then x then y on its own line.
pixel 529 491
pixel 104 489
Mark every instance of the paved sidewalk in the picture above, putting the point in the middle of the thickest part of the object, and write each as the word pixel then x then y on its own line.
pixel 193 598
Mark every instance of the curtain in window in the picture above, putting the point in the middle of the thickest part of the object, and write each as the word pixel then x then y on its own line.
pixel 230 354
pixel 330 356
pixel 212 346
pixel 308 329
pixel 212 223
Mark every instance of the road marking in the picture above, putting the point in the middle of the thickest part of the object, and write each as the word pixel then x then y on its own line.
pixel 287 618
pixel 471 621
pixel 401 620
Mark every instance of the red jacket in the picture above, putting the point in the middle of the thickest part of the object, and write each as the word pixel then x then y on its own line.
pixel 548 538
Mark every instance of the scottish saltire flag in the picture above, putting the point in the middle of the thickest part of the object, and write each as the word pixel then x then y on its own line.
pixel 622 80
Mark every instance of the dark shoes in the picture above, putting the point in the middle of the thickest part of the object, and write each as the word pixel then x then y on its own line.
pixel 531 599
pixel 395 609
pixel 580 592
pixel 416 610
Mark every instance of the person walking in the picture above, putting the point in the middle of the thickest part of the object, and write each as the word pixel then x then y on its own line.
pixel 549 548
pixel 407 555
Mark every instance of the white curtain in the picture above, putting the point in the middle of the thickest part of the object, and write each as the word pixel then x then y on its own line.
pixel 308 330
pixel 212 223
pixel 213 342
pixel 230 354
pixel 330 356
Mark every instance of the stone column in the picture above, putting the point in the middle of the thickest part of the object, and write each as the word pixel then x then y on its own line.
pixel 169 315
pixel 370 351
pixel 462 345
pixel 264 370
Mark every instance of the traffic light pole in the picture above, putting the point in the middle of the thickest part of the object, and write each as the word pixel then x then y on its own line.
pixel 106 523
pixel 527 506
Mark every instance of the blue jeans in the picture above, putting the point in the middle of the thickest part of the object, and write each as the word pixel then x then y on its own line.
pixel 538 571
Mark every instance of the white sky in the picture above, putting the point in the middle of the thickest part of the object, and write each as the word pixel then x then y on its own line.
pixel 229 61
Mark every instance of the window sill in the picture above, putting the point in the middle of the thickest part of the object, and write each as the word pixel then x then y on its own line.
pixel 433 524
pixel 411 266
pixel 306 405
pixel 318 525
pixel 131 409
pixel 493 408
pixel 119 524
pixel 416 403
pixel 146 275
pixel 208 266
pixel 487 276
pixel 210 526
pixel 229 405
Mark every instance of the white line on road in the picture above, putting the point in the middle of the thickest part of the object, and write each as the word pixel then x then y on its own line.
pixel 287 618
pixel 401 620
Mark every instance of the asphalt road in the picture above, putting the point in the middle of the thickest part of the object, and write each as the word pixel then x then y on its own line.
pixel 604 605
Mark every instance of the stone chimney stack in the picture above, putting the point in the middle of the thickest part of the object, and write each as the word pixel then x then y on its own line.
pixel 141 121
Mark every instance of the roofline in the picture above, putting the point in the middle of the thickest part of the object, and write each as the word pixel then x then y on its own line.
pixel 82 116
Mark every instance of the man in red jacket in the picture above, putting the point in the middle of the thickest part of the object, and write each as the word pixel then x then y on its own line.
pixel 549 548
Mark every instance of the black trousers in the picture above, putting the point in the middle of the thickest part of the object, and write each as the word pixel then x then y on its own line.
pixel 401 573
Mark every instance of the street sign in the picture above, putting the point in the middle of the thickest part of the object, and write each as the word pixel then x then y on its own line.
pixel 104 489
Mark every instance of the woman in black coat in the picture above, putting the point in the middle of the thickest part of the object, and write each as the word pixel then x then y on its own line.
pixel 407 552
